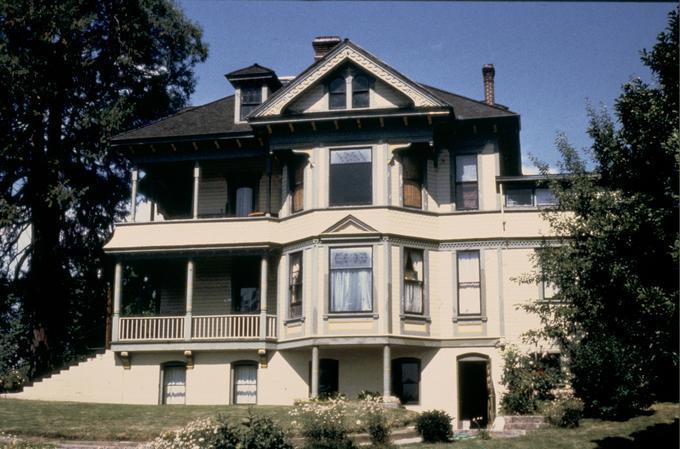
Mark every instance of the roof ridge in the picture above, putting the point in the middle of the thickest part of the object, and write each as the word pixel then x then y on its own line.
pixel 166 117
pixel 483 103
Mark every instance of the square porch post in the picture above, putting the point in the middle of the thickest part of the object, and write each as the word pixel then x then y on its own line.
pixel 194 196
pixel 315 372
pixel 133 194
pixel 263 296
pixel 189 300
pixel 387 371
pixel 117 294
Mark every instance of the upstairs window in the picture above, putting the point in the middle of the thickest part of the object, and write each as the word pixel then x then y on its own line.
pixel 529 197
pixel 413 180
pixel 469 285
pixel 337 94
pixel 467 197
pixel 295 285
pixel 544 197
pixel 413 281
pixel 360 92
pixel 350 177
pixel 251 97
pixel 297 182
pixel 245 285
pixel 351 283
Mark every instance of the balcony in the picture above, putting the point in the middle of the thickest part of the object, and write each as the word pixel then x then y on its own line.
pixel 203 328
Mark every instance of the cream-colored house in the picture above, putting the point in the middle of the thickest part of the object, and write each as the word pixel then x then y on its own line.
pixel 347 229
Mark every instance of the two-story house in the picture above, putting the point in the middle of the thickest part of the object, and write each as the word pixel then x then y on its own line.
pixel 342 230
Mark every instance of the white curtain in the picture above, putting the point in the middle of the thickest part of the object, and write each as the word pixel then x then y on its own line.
pixel 246 384
pixel 244 201
pixel 175 380
pixel 413 288
pixel 350 290
pixel 466 168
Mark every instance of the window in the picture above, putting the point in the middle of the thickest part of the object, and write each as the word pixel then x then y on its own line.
pixel 469 285
pixel 545 197
pixel 295 285
pixel 245 282
pixel 406 380
pixel 413 281
pixel 360 92
pixel 328 377
pixel 337 98
pixel 174 383
pixel 351 177
pixel 351 282
pixel 251 97
pixel 413 180
pixel 297 182
pixel 241 197
pixel 519 197
pixel 466 182
pixel 245 383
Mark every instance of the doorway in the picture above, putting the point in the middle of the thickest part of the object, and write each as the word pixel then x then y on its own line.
pixel 474 396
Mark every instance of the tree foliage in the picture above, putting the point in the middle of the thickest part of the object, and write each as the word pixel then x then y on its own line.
pixel 616 264
pixel 73 73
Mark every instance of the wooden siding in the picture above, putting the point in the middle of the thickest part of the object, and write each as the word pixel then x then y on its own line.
pixel 212 286
pixel 384 96
pixel 438 184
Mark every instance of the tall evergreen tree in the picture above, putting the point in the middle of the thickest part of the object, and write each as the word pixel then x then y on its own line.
pixel 74 72
pixel 616 265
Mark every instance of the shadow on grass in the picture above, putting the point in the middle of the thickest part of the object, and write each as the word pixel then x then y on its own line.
pixel 658 436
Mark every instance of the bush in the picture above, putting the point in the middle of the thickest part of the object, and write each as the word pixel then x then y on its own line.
pixel 366 394
pixel 376 423
pixel 205 433
pixel 434 426
pixel 13 380
pixel 323 423
pixel 529 382
pixel 262 433
pixel 565 412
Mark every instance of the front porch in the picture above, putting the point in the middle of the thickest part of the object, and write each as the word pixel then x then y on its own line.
pixel 225 297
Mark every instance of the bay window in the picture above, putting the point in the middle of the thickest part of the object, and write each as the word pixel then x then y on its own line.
pixel 469 285
pixel 351 279
pixel 295 285
pixel 413 281
pixel 467 197
pixel 350 177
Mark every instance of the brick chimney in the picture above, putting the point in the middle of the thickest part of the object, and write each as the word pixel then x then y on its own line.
pixel 488 73
pixel 323 45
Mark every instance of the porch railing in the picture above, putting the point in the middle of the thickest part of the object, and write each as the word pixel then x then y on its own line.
pixel 151 328
pixel 203 328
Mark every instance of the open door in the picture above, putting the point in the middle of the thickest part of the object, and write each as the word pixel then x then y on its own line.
pixel 475 398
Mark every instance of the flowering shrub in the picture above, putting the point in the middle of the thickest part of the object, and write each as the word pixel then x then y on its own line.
pixel 13 380
pixel 434 426
pixel 8 441
pixel 564 412
pixel 205 433
pixel 323 423
pixel 262 433
pixel 376 423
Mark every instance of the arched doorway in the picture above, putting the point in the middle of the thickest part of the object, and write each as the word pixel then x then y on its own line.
pixel 476 401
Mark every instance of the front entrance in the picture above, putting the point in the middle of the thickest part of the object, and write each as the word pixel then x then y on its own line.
pixel 474 399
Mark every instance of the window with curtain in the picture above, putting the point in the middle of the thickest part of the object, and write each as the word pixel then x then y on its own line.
pixel 406 380
pixel 413 281
pixel 337 98
pixel 351 280
pixel 245 383
pixel 251 97
pixel 469 285
pixel 466 182
pixel 360 92
pixel 174 383
pixel 351 177
pixel 413 180
pixel 295 285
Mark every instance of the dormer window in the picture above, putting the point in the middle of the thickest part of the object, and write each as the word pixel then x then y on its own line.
pixel 360 92
pixel 251 97
pixel 337 94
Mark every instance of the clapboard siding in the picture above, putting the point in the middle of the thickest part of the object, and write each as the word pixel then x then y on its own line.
pixel 212 286
pixel 438 186
pixel 385 96
pixel 313 100
pixel 173 290
pixel 272 272
pixel 212 195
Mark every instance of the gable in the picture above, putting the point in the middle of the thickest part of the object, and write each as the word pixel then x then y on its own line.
pixel 350 225
pixel 308 83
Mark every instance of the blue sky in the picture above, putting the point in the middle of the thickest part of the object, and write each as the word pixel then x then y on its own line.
pixel 551 59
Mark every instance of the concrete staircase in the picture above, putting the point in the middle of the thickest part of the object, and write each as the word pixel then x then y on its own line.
pixel 90 380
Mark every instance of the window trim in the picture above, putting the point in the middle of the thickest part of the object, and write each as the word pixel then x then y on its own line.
pixel 330 165
pixel 481 316
pixel 300 254
pixel 171 364
pixel 424 285
pixel 234 366
pixel 367 91
pixel 243 116
pixel 534 201
pixel 458 184
pixel 349 313
pixel 331 93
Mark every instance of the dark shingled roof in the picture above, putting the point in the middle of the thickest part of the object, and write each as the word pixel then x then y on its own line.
pixel 254 69
pixel 213 118
pixel 467 108
pixel 217 118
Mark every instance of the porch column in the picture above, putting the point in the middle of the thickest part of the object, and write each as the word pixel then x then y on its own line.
pixel 190 299
pixel 263 297
pixel 133 195
pixel 117 293
pixel 387 371
pixel 268 212
pixel 315 371
pixel 194 198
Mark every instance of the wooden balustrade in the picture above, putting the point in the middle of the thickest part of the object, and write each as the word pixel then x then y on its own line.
pixel 151 328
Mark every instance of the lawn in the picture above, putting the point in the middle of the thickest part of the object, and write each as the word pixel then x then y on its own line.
pixel 656 430
pixel 79 421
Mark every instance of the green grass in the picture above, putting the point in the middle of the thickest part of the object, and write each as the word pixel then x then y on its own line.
pixel 79 421
pixel 658 430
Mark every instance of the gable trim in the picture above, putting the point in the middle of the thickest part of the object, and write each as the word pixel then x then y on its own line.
pixel 347 51
pixel 349 220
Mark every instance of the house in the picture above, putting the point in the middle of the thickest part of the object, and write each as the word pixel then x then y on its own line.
pixel 343 230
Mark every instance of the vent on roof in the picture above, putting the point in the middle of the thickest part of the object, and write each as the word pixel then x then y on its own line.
pixel 323 45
